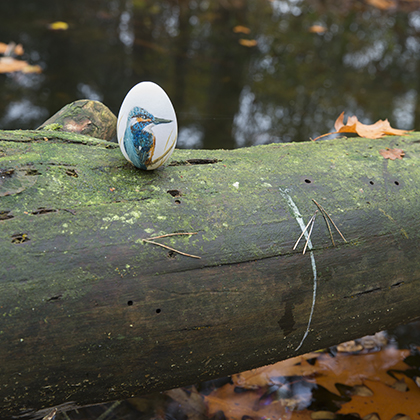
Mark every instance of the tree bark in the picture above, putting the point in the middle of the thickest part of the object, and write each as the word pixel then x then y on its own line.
pixel 91 312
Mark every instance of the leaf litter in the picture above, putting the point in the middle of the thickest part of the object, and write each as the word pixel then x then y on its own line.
pixel 365 378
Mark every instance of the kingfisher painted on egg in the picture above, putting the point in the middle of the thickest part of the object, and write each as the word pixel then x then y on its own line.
pixel 139 140
pixel 147 128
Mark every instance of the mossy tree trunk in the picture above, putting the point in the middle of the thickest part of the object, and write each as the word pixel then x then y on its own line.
pixel 91 312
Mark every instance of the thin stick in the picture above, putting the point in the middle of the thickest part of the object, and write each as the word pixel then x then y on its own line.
pixel 326 221
pixel 303 232
pixel 309 233
pixel 331 220
pixel 173 234
pixel 171 249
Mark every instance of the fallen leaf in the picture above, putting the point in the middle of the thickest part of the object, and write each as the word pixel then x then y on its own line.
pixel 248 42
pixel 382 4
pixel 385 401
pixel 58 26
pixel 32 69
pixel 318 29
pixel 11 48
pixel 371 131
pixel 392 153
pixel 241 29
pixel 192 403
pixel 328 370
pixel 349 346
pixel 10 65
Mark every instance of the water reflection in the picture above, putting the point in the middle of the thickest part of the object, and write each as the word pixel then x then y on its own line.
pixel 289 87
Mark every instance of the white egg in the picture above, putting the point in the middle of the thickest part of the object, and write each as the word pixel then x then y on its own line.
pixel 147 128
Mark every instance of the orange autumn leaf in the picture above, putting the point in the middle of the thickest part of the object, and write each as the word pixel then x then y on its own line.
pixel 328 370
pixel 248 42
pixel 392 153
pixel 386 401
pixel 11 65
pixel 371 131
pixel 241 29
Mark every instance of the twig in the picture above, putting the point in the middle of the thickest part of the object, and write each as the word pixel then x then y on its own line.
pixel 303 232
pixel 173 234
pixel 309 233
pixel 171 249
pixel 331 220
pixel 326 221
pixel 51 415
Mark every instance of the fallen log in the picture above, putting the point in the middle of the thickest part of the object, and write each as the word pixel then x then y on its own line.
pixel 92 312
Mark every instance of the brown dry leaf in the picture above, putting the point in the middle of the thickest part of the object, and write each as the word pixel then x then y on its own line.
pixel 191 403
pixel 344 368
pixel 248 42
pixel 372 131
pixel 392 153
pixel 318 29
pixel 237 405
pixel 386 401
pixel 241 29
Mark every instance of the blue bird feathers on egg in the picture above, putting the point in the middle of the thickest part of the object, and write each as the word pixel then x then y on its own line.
pixel 147 127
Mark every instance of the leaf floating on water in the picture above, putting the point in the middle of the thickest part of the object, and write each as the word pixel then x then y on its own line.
pixel 248 42
pixel 383 4
pixel 58 26
pixel 392 153
pixel 241 29
pixel 385 401
pixel 317 29
pixel 11 49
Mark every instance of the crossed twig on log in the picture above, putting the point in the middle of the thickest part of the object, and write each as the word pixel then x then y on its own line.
pixel 151 241
pixel 311 223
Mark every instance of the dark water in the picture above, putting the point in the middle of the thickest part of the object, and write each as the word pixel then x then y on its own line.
pixel 289 87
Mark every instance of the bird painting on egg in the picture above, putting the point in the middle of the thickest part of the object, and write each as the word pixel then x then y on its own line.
pixel 147 128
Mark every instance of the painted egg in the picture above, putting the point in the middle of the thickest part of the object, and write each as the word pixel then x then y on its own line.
pixel 147 129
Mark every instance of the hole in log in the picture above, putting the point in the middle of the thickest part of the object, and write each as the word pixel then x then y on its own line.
pixel 5 173
pixel 43 210
pixel 308 181
pixel 5 214
pixel 171 254
pixel 158 311
pixel 54 298
pixel 174 193
pixel 177 201
pixel 396 183
pixel 32 172
pixel 371 182
pixel 130 303
pixel 193 162
pixel 19 238
pixel 72 172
